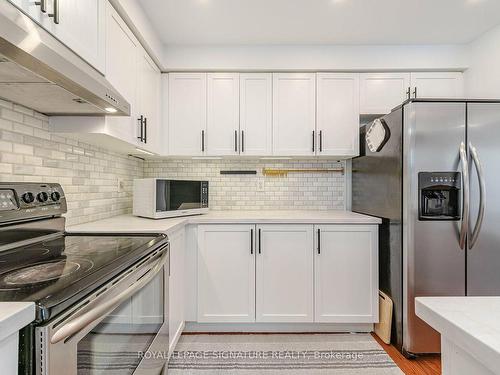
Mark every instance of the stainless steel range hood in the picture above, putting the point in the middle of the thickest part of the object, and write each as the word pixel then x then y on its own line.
pixel 39 72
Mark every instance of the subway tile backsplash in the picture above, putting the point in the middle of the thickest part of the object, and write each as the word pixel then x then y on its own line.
pixel 89 175
pixel 98 182
pixel 297 191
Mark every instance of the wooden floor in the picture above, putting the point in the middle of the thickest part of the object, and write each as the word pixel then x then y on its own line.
pixel 425 365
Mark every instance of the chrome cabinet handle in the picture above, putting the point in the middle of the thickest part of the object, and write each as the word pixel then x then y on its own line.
pixel 482 195
pixel 141 123
pixel 55 12
pixel 321 141
pixel 76 325
pixel 415 92
pixel 43 5
pixel 313 148
pixel 465 186
pixel 145 130
pixel 242 141
pixel 203 141
pixel 408 93
pixel 236 141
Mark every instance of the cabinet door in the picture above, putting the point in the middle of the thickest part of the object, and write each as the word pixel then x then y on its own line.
pixel 176 287
pixel 256 115
pixel 381 92
pixel 187 113
pixel 284 273
pixel 346 274
pixel 121 72
pixel 31 9
pixel 226 273
pixel 337 114
pixel 294 107
pixel 437 85
pixel 149 99
pixel 82 28
pixel 223 113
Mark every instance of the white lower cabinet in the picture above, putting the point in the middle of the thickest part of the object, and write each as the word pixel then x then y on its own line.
pixel 176 286
pixel 346 274
pixel 284 273
pixel 226 273
pixel 287 273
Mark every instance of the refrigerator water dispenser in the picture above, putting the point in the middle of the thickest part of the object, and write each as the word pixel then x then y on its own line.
pixel 439 195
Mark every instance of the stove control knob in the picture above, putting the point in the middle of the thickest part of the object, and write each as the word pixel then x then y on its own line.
pixel 55 196
pixel 42 197
pixel 28 198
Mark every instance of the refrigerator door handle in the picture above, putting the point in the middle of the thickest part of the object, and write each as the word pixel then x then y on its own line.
pixel 482 195
pixel 465 186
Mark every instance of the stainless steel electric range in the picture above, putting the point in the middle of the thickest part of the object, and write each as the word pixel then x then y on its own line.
pixel 101 300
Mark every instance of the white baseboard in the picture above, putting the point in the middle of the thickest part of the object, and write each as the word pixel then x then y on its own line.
pixel 279 327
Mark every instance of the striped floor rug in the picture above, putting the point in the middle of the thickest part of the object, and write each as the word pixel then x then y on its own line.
pixel 294 354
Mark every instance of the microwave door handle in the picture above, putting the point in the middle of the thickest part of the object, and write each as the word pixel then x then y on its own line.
pixel 482 195
pixel 78 324
pixel 465 186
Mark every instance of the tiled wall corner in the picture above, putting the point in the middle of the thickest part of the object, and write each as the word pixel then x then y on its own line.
pixel 297 191
pixel 89 175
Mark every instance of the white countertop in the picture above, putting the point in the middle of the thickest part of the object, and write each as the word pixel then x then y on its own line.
pixel 130 223
pixel 14 316
pixel 471 323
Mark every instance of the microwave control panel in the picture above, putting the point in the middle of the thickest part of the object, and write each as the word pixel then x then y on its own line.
pixel 204 194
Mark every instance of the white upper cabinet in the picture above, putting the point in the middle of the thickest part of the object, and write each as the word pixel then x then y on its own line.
pixel 346 274
pixel 33 10
pixel 121 72
pixel 187 113
pixel 294 108
pixel 226 273
pixel 134 75
pixel 81 25
pixel 381 92
pixel 448 85
pixel 82 28
pixel 256 114
pixel 149 99
pixel 223 115
pixel 284 273
pixel 337 124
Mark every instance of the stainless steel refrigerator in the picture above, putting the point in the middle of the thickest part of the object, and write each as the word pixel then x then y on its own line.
pixel 432 173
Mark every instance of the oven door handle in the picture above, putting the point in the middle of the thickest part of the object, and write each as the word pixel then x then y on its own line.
pixel 76 325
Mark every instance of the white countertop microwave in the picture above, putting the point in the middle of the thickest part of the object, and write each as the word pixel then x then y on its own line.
pixel 159 198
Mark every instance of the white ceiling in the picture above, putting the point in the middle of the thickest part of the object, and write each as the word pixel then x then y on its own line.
pixel 189 22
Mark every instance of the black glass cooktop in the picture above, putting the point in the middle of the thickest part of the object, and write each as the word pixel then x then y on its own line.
pixel 58 272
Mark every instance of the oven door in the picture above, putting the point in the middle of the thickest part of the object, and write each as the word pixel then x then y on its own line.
pixel 122 328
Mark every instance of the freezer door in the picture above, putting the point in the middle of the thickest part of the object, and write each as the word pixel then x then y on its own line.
pixel 483 256
pixel 433 262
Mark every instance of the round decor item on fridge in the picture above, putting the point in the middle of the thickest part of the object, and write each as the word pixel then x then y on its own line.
pixel 377 135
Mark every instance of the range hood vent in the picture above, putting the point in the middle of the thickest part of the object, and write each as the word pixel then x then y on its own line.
pixel 39 72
